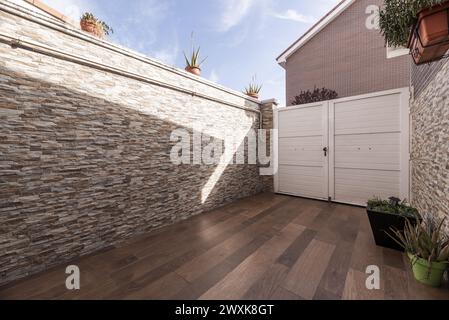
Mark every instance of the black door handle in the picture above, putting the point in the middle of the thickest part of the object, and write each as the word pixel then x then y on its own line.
pixel 325 151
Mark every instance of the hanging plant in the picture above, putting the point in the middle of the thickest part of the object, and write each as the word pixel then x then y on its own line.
pixel 421 25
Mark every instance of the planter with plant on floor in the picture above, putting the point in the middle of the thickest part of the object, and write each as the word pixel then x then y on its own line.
pixel 386 214
pixel 94 26
pixel 427 248
pixel 253 89
pixel 420 25
pixel 193 62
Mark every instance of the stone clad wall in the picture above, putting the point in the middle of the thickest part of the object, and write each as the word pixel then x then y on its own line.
pixel 430 141
pixel 85 153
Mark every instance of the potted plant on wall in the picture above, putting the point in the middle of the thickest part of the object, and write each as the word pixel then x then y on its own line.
pixel 92 25
pixel 386 214
pixel 193 63
pixel 253 89
pixel 420 25
pixel 427 248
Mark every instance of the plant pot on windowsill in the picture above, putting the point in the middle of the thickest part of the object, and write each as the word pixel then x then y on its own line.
pixel 429 39
pixel 428 273
pixel 194 70
pixel 382 221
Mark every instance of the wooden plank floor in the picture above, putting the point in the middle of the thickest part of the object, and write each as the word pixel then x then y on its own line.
pixel 263 247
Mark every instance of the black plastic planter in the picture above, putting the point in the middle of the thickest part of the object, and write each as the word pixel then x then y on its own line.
pixel 382 223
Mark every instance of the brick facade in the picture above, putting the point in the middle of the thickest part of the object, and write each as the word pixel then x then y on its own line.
pixel 347 57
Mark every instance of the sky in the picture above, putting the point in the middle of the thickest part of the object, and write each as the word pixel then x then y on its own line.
pixel 240 38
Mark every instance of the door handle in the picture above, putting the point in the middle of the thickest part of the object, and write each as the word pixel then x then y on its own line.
pixel 325 151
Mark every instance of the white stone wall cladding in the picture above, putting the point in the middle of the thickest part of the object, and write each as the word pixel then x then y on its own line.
pixel 84 154
pixel 430 146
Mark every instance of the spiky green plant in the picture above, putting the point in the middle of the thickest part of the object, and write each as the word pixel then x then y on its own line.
pixel 253 88
pixel 193 61
pixel 397 18
pixel 426 241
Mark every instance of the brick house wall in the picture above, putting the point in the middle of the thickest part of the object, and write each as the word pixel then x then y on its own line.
pixel 347 57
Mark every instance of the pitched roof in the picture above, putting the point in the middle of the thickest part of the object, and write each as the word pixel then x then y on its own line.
pixel 315 29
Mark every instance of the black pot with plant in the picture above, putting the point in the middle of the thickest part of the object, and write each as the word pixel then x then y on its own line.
pixel 385 215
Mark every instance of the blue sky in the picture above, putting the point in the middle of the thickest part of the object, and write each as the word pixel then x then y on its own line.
pixel 241 38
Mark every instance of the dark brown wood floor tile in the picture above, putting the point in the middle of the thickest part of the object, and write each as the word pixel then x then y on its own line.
pixel 267 285
pixel 291 255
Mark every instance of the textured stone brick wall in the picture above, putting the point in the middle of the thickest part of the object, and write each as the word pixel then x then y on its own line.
pixel 266 109
pixel 430 145
pixel 85 153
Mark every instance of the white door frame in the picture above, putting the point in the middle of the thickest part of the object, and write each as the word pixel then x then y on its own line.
pixel 329 140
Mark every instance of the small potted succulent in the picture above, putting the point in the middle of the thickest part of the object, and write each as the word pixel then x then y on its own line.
pixel 386 214
pixel 427 247
pixel 193 63
pixel 92 25
pixel 253 89
pixel 420 25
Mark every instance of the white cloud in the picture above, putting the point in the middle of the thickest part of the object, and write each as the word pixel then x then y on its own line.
pixel 233 13
pixel 214 76
pixel 167 55
pixel 293 15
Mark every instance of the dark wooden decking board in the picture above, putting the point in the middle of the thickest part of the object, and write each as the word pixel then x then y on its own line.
pixel 262 247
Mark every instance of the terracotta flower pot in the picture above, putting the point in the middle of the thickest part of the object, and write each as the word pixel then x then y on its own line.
pixel 92 28
pixel 429 40
pixel 433 24
pixel 253 95
pixel 194 70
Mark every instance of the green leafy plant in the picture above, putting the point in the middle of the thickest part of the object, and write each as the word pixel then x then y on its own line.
pixel 426 241
pixel 253 89
pixel 193 60
pixel 393 206
pixel 102 26
pixel 397 18
pixel 315 95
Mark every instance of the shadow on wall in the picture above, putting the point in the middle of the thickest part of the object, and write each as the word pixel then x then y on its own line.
pixel 79 174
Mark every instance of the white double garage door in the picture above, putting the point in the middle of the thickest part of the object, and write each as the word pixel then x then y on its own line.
pixel 346 150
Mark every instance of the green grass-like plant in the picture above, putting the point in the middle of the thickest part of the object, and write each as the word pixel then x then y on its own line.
pixel 424 240
pixel 393 206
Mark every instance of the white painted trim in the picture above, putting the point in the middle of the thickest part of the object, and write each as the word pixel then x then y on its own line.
pixel 405 144
pixel 302 106
pixel 331 121
pixel 276 149
pixel 326 144
pixel 372 95
pixel 394 52
pixel 342 6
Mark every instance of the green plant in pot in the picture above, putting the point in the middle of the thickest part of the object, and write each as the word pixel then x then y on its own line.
pixel 427 247
pixel 386 214
pixel 193 62
pixel 95 26
pixel 421 25
pixel 253 89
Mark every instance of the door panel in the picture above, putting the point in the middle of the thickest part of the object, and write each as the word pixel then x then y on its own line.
pixel 303 168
